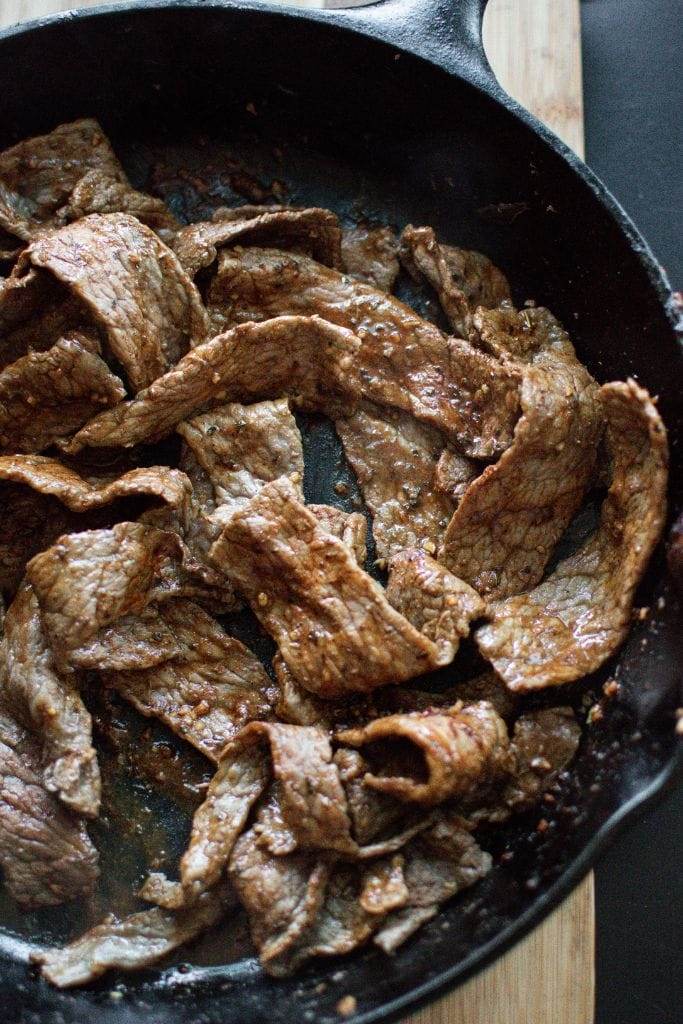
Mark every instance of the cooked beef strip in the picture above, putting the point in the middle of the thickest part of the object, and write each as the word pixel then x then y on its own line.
pixel 394 458
pixel 207 688
pixel 454 473
pixel 384 886
pixel 304 357
pixel 568 625
pixel 133 642
pixel 510 518
pixel 35 314
pixel 403 361
pixel 51 708
pixel 438 864
pixel 46 396
pixel 369 255
pixel 462 279
pixel 334 627
pixel 313 231
pixel 351 528
pixel 431 756
pixel 137 941
pixel 130 285
pixel 437 603
pixel 38 175
pixel 99 191
pixel 46 854
pixel 489 687
pixel 544 743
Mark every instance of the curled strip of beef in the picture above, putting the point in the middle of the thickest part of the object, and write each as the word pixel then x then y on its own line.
pixel 46 854
pixel 304 357
pixel 206 687
pixel 38 175
pixel 335 629
pixel 351 528
pixel 313 231
pixel 51 707
pixel 439 863
pixel 510 518
pixel 129 284
pixel 437 603
pixel 29 522
pixel 431 756
pixel 47 396
pixel 454 473
pixel 369 255
pixel 462 279
pixel 99 191
pixel 572 622
pixel 137 941
pixel 394 458
pixel 403 361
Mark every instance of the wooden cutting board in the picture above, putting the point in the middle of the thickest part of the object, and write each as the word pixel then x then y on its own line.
pixel 534 46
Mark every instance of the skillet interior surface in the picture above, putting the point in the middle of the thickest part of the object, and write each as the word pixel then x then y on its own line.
pixel 207 107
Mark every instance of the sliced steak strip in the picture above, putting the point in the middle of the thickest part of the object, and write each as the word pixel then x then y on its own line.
pixel 394 458
pixel 207 687
pixel 431 756
pixel 313 231
pixel 403 361
pixel 544 743
pixel 46 854
pixel 510 518
pixel 47 396
pixel 51 707
pixel 369 255
pixel 137 941
pixel 462 279
pixel 351 528
pixel 335 629
pixel 99 191
pixel 304 357
pixel 437 603
pixel 438 864
pixel 573 621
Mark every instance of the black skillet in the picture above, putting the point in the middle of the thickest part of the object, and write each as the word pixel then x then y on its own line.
pixel 389 112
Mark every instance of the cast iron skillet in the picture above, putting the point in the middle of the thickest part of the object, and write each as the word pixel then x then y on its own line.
pixel 389 112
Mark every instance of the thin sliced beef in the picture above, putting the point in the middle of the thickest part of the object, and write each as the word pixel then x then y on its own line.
pixel 544 743
pixel 128 284
pixel 46 854
pixel 304 357
pixel 312 231
pixel 454 473
pixel 208 686
pixel 29 523
pixel 137 941
pixel 510 518
pixel 51 708
pixel 369 255
pixel 431 756
pixel 335 629
pixel 440 863
pixel 351 528
pixel 462 279
pixel 394 458
pixel 99 191
pixel 437 603
pixel 47 396
pixel 573 621
pixel 133 642
pixel 403 361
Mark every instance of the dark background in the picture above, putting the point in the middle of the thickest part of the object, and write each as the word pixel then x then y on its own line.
pixel 633 91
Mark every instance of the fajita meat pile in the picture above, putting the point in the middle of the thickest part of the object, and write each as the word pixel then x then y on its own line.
pixel 152 381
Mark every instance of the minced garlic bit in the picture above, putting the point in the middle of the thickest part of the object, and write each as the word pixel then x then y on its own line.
pixel 430 547
pixel 262 599
pixel 347 1005
pixel 595 714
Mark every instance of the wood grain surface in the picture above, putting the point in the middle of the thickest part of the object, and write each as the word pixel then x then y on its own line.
pixel 534 46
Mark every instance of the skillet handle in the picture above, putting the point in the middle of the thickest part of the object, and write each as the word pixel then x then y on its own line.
pixel 445 32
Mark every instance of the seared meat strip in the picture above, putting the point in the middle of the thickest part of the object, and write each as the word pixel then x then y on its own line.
pixel 313 231
pixel 137 941
pixel 454 473
pixel 403 361
pixel 431 756
pixel 29 522
pixel 437 603
pixel 462 279
pixel 51 707
pixel 394 458
pixel 130 284
pixel 300 356
pixel 573 621
pixel 335 629
pixel 351 528
pixel 47 396
pixel 369 255
pixel 208 686
pixel 99 191
pixel 46 854
pixel 510 518
pixel 438 864
pixel 544 742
